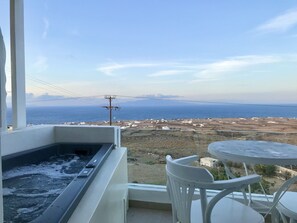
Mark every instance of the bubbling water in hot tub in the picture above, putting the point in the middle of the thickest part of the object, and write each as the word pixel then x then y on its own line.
pixel 28 190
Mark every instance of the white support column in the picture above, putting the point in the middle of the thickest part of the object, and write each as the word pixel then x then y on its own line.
pixel 3 123
pixel 18 90
pixel 3 111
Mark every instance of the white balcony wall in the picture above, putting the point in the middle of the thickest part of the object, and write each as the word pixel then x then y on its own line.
pixel 27 138
pixel 157 194
pixel 91 134
pixel 37 136
pixel 106 200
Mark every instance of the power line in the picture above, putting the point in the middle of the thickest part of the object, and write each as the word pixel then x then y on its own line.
pixel 72 95
pixel 53 86
pixel 57 89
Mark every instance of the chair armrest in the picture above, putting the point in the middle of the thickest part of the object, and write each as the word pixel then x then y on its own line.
pixel 215 200
pixel 186 160
pixel 232 183
pixel 228 187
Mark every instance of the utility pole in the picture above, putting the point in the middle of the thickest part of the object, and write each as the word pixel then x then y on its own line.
pixel 110 107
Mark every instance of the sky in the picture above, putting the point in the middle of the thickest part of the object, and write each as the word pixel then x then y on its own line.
pixel 214 51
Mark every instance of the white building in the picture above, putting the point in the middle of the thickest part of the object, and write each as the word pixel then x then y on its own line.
pixel 208 161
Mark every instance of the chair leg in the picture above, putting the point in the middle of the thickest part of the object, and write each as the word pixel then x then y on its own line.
pixel 174 215
pixel 275 216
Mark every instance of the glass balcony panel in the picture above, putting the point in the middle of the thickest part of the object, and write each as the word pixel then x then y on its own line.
pixel 147 148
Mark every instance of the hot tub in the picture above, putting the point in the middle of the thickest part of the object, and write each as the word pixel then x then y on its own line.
pixel 26 175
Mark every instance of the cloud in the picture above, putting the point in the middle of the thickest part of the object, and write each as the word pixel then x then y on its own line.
pixel 168 73
pixel 237 63
pixel 110 69
pixel 40 64
pixel 196 71
pixel 159 96
pixel 280 23
pixel 44 97
pixel 46 26
pixel 213 71
pixel 47 99
pixel 166 82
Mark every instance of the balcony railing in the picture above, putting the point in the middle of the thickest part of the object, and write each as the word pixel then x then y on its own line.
pixel 147 150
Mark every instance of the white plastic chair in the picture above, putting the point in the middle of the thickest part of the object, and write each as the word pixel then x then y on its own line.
pixel 182 181
pixel 285 203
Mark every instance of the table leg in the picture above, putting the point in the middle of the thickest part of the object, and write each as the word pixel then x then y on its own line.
pixel 249 186
pixel 230 175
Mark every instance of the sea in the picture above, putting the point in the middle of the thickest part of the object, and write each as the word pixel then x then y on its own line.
pixel 77 114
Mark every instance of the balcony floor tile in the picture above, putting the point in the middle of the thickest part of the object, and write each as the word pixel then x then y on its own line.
pixel 143 215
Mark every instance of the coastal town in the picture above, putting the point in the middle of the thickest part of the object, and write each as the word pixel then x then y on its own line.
pixel 269 124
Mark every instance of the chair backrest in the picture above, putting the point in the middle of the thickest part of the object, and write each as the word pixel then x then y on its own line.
pixel 281 207
pixel 286 185
pixel 182 181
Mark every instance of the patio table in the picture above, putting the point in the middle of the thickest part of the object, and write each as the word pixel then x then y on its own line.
pixel 254 152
